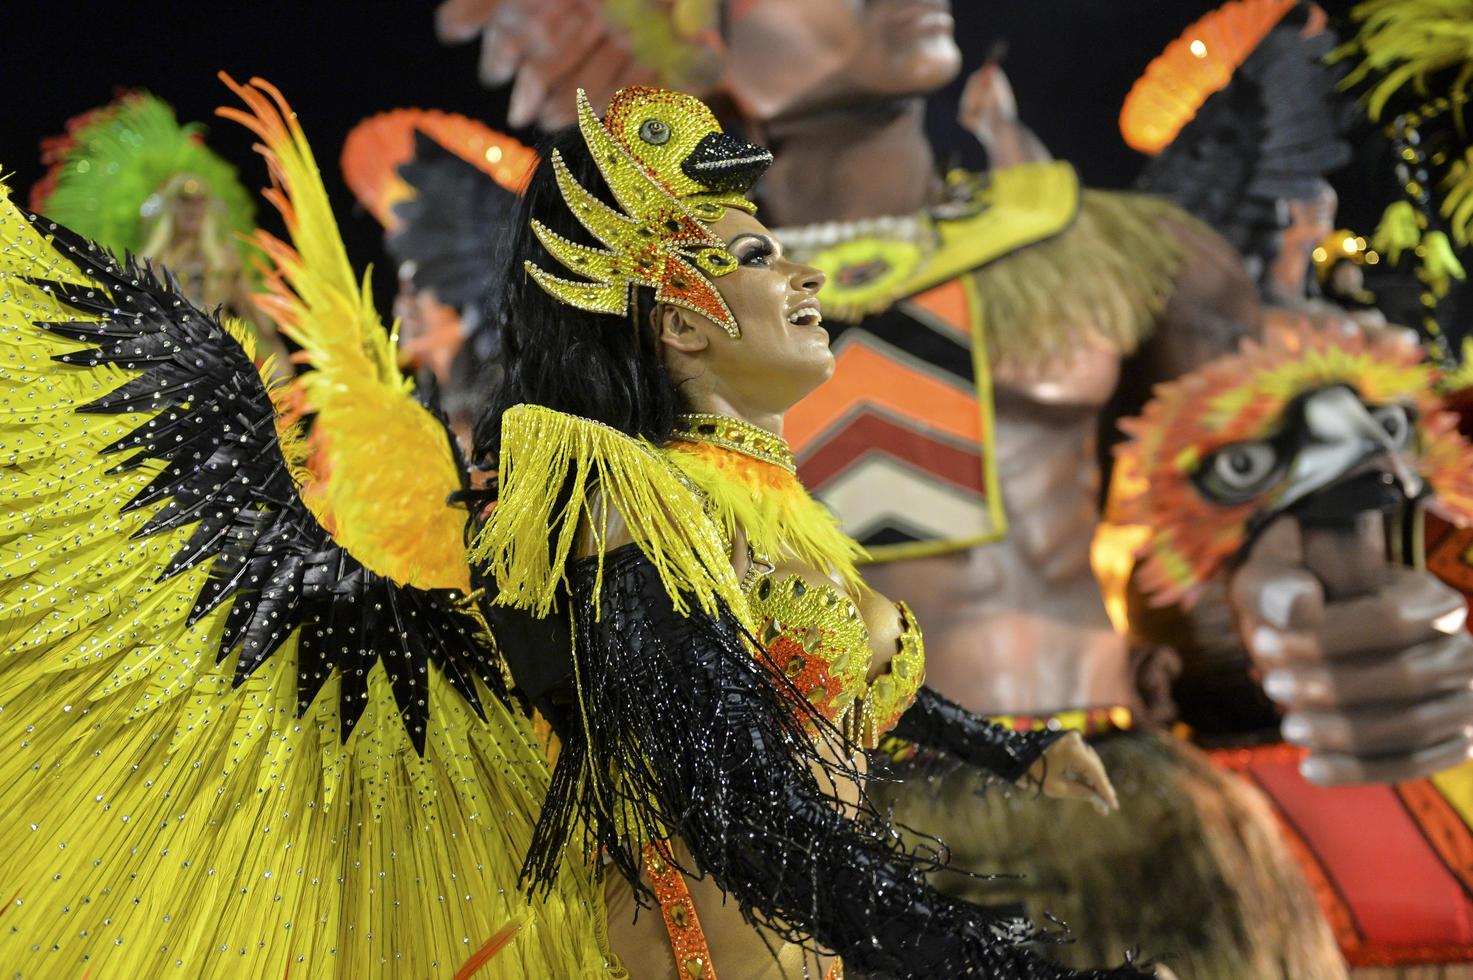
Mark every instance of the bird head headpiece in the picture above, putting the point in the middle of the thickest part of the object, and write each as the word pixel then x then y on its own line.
pixel 671 169
pixel 1307 422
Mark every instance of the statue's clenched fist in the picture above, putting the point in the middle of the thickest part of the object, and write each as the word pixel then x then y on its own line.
pixel 1377 685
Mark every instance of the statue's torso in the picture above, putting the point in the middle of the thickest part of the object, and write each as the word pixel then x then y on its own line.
pixel 1018 626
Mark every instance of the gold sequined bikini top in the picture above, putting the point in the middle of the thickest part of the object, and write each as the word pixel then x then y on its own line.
pixel 818 639
pixel 814 634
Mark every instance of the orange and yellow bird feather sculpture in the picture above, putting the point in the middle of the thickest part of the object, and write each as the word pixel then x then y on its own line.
pixel 1220 452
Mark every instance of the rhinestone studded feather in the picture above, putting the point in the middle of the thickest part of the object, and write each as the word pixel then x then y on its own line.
pixel 206 423
pixel 656 237
pixel 230 749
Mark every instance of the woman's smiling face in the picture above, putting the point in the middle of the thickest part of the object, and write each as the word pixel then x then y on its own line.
pixel 783 351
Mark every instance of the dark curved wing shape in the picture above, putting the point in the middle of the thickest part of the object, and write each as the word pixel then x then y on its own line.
pixel 450 229
pixel 1271 134
pixel 210 434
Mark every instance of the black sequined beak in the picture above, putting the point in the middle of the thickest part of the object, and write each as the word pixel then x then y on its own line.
pixel 724 163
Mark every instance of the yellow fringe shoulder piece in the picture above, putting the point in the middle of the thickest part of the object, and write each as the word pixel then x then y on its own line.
pixel 560 475
pixel 772 507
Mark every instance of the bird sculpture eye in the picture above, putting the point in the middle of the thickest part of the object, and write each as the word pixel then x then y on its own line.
pixel 1395 422
pixel 1237 473
pixel 654 132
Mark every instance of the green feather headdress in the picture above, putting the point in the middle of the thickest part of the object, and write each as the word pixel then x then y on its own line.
pixel 110 167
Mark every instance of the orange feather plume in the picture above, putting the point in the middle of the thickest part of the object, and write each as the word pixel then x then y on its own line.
pixel 488 950
pixel 383 465
pixel 376 147
pixel 1193 67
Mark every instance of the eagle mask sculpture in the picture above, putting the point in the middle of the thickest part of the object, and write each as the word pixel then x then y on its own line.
pixel 1321 423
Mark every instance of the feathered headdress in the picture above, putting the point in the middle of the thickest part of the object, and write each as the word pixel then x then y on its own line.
pixel 110 168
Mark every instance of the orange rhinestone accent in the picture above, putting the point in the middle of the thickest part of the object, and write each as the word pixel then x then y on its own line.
pixel 682 925
pixel 738 436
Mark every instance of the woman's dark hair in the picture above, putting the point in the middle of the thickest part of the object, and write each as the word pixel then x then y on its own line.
pixel 592 365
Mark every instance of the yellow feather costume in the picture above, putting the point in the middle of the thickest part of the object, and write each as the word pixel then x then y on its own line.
pixel 167 810
pixel 365 414
pixel 770 507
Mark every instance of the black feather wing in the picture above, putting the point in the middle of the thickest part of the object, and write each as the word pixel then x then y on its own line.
pixel 451 228
pixel 209 433
pixel 1272 134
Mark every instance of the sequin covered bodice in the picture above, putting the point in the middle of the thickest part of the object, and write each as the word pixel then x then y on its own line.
pixel 814 632
pixel 817 638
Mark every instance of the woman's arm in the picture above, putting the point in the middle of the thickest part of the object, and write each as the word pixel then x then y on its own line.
pixel 1059 763
pixel 935 723
pixel 685 733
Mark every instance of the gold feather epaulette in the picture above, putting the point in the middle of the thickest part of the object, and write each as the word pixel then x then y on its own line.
pixel 771 507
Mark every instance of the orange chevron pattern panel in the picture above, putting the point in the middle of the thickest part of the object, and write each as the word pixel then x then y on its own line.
pixel 896 442
pixel 867 376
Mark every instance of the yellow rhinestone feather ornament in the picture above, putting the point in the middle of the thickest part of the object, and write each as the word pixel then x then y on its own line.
pixel 216 766
pixel 670 168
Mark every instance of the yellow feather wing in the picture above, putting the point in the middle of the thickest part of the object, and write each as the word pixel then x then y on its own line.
pixel 383 463
pixel 232 751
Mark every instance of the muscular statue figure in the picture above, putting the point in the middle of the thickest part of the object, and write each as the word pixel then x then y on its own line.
pixel 1018 625
pixel 987 328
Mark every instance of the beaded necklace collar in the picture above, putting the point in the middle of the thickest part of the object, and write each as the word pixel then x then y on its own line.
pixel 738 436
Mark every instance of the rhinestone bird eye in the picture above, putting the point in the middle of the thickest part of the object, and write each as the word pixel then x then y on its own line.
pixel 716 261
pixel 654 132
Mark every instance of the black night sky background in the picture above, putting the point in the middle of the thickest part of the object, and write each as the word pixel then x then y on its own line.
pixel 1071 63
